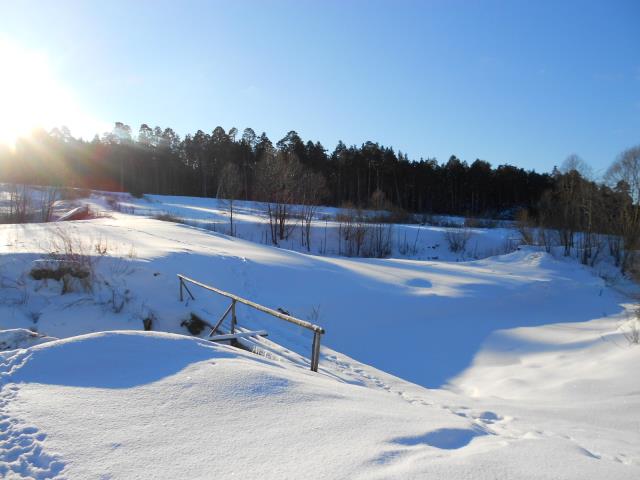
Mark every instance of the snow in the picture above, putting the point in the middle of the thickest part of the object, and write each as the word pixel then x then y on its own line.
pixel 251 223
pixel 132 404
pixel 15 338
pixel 509 366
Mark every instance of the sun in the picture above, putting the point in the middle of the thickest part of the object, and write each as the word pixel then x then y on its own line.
pixel 31 96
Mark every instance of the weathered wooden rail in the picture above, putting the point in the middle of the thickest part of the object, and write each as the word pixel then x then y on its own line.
pixel 317 330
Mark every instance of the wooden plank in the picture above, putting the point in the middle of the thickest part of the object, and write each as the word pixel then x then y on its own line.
pixel 74 213
pixel 257 306
pixel 234 336
pixel 217 325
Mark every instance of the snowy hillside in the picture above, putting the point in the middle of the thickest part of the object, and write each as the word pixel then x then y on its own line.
pixel 250 222
pixel 527 370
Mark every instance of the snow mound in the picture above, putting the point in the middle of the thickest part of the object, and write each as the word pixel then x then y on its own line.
pixel 159 405
pixel 155 404
pixel 119 359
pixel 21 338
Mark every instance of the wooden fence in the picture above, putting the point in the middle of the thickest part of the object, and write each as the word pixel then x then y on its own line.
pixel 317 330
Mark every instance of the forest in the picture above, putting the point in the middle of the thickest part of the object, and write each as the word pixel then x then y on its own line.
pixel 157 160
pixel 585 215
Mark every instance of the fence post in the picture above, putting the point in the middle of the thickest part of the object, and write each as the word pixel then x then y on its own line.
pixel 234 320
pixel 315 351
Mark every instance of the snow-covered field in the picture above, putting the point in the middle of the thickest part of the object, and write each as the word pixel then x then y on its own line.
pixel 508 366
pixel 250 222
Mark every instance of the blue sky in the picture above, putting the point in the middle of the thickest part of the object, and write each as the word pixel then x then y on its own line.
pixel 517 82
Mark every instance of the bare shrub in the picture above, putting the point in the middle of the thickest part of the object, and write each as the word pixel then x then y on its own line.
pixel 379 240
pixel 168 217
pixel 525 227
pixel 406 247
pixel 590 247
pixel 118 295
pixel 49 196
pixel 117 266
pixel 457 239
pixel 24 205
pixel 352 230
pixel 72 260
pixel 631 329
pixel 69 258
pixel 358 237
pixel 548 238
pixel 19 206
pixel 616 247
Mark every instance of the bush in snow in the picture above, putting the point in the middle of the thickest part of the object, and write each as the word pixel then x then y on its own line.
pixel 18 207
pixel 379 237
pixel 457 239
pixel 69 260
pixel 631 329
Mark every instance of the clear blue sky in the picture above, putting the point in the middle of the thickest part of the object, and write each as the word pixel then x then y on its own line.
pixel 520 82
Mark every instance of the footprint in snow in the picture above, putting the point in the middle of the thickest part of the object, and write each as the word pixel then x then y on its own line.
pixel 444 438
pixel 22 447
pixel 419 283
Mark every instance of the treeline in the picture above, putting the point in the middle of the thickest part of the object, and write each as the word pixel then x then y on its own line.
pixel 590 219
pixel 565 208
pixel 220 163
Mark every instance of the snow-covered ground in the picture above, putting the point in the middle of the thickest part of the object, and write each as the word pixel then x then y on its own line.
pixel 510 366
pixel 250 222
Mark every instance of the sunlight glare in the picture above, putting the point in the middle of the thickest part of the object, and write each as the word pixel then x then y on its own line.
pixel 31 97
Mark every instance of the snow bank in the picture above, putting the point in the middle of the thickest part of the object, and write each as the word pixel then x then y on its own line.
pixel 153 405
pixel 14 338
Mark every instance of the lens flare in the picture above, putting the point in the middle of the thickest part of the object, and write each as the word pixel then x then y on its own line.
pixel 31 97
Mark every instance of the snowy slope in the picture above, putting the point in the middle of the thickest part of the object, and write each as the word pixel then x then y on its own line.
pixel 534 378
pixel 429 317
pixel 413 241
pixel 152 405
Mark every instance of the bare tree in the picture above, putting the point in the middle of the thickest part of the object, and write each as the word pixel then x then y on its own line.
pixel 624 173
pixel 575 163
pixel 229 186
pixel 278 175
pixel 624 178
pixel 311 189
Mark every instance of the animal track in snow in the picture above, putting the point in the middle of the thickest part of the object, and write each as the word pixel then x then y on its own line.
pixel 22 448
